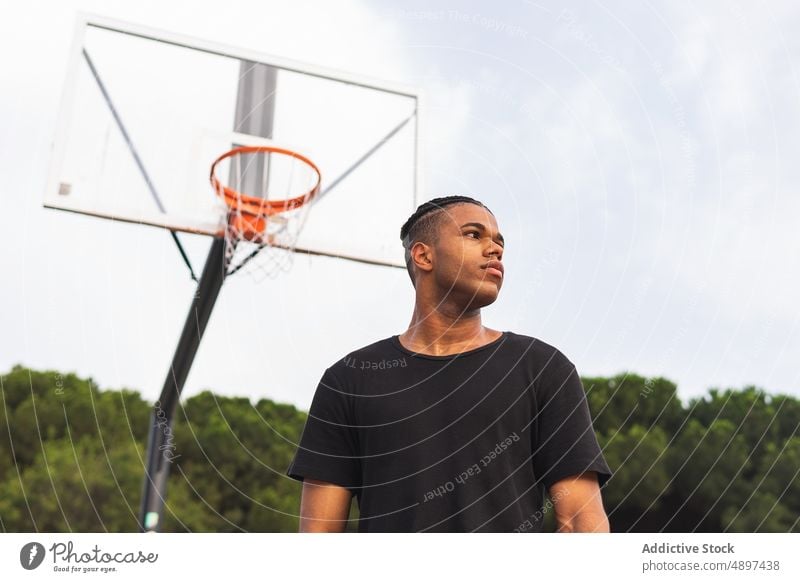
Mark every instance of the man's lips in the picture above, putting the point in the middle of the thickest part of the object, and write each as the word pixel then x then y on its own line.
pixel 494 268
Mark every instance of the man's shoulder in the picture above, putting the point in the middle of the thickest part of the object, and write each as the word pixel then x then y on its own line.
pixel 539 351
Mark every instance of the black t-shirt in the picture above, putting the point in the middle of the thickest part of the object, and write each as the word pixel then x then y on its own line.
pixel 458 443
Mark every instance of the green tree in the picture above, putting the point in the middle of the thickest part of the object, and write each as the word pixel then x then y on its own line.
pixel 707 463
pixel 763 512
pixel 642 476
pixel 75 486
pixel 627 399
pixel 749 410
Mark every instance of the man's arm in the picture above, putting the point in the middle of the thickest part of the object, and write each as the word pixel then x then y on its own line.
pixel 578 504
pixel 324 507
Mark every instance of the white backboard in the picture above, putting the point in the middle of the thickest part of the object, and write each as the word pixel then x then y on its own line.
pixel 145 112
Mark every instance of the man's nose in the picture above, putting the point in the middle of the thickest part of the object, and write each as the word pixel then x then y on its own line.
pixel 496 249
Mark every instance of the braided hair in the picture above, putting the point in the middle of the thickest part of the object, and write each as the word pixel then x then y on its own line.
pixel 423 225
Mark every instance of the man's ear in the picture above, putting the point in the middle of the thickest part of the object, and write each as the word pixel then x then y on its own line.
pixel 422 256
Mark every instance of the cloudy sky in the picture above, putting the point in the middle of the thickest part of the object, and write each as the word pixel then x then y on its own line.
pixel 641 159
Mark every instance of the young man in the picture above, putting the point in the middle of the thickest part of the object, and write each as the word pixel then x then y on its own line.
pixel 451 426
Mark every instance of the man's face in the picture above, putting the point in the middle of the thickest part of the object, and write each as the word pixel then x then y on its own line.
pixel 467 257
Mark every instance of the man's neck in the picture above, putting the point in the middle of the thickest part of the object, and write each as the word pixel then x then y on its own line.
pixel 441 331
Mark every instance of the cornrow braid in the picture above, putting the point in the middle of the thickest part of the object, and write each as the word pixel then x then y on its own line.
pixel 431 206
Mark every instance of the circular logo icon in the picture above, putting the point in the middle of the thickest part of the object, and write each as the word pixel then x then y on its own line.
pixel 31 555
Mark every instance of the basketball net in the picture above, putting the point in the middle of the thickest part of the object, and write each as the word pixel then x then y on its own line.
pixel 268 196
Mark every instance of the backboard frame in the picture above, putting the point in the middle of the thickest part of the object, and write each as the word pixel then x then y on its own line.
pixel 54 200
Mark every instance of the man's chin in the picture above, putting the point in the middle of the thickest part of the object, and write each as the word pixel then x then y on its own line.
pixel 483 298
pixel 475 297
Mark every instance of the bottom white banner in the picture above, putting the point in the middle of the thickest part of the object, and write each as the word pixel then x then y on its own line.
pixel 353 557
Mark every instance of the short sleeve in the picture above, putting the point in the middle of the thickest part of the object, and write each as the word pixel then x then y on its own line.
pixel 565 442
pixel 328 448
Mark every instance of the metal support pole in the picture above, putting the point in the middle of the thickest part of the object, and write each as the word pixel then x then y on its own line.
pixel 159 447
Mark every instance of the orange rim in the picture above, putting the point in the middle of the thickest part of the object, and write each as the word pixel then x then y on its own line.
pixel 258 206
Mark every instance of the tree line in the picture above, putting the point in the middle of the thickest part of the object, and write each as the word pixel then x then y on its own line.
pixel 72 457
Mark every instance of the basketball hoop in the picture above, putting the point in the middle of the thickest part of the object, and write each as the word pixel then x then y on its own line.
pixel 267 201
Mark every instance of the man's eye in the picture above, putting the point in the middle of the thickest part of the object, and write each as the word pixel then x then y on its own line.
pixel 474 232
